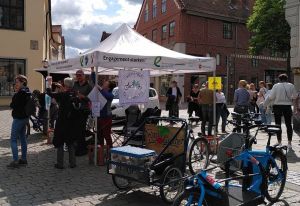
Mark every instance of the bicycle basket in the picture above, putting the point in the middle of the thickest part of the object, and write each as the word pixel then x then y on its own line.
pixel 231 146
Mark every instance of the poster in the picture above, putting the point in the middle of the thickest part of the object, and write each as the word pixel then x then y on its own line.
pixel 214 83
pixel 134 87
pixel 98 101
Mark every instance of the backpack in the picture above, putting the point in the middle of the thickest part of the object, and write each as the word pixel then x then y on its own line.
pixel 30 106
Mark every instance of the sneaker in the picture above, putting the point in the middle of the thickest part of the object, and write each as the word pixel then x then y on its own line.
pixel 72 166
pixel 13 165
pixel 57 166
pixel 22 162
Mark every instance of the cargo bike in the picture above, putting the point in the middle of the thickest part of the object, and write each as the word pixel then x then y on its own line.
pixel 154 155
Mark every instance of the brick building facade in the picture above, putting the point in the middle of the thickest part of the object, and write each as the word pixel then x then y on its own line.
pixel 215 28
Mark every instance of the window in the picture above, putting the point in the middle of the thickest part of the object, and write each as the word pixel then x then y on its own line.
pixel 163 6
pixel 172 28
pixel 164 32
pixel 255 62
pixel 12 14
pixel 154 9
pixel 218 59
pixel 154 35
pixel 226 60
pixel 9 69
pixel 146 17
pixel 227 31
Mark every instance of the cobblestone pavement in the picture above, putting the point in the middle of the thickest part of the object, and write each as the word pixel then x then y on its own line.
pixel 41 184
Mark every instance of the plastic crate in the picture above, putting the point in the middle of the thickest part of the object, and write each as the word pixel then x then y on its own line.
pixel 132 162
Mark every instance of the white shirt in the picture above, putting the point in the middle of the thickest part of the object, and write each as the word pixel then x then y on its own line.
pixel 282 93
pixel 174 91
pixel 220 97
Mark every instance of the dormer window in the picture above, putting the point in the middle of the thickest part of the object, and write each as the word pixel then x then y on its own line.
pixel 154 9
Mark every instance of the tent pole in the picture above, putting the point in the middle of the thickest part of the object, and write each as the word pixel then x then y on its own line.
pixel 215 107
pixel 96 126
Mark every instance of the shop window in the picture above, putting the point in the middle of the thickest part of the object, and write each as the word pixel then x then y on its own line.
pixel 12 14
pixel 164 32
pixel 146 17
pixel 154 9
pixel 154 35
pixel 9 69
pixel 163 6
pixel 172 28
pixel 227 30
pixel 255 62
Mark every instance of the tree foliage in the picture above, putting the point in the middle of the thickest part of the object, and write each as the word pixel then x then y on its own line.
pixel 269 27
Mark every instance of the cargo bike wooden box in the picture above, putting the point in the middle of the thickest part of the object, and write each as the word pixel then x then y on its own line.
pixel 158 161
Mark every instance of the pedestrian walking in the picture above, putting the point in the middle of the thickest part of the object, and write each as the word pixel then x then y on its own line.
pixel 283 95
pixel 206 100
pixel 241 100
pixel 193 104
pixel 222 110
pixel 260 101
pixel 20 120
pixel 173 98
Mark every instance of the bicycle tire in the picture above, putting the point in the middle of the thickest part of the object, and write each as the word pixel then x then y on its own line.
pixel 179 201
pixel 282 168
pixel 205 156
pixel 121 186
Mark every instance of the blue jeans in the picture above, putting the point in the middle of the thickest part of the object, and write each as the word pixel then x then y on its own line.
pixel 263 113
pixel 18 130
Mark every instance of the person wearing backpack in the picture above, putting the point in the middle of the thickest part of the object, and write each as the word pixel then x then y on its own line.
pixel 20 116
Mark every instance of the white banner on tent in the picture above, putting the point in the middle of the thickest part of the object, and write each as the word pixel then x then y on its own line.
pixel 85 61
pixel 134 87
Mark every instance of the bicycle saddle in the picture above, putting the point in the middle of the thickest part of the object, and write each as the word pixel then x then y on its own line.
pixel 273 130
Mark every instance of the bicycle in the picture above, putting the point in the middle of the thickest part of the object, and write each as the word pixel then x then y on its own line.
pixel 272 158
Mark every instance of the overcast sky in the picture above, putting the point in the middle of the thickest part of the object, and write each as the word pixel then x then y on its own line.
pixel 84 20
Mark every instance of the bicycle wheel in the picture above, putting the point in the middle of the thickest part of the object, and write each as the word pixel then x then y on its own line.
pixel 276 172
pixel 198 155
pixel 120 182
pixel 171 188
pixel 184 198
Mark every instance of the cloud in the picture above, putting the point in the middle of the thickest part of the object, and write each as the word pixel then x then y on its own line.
pixel 83 21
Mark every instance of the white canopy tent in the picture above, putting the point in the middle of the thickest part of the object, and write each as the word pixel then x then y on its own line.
pixel 127 49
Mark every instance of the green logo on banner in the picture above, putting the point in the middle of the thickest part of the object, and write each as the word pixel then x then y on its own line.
pixel 157 61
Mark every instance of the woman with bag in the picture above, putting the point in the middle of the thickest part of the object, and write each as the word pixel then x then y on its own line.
pixel 222 110
pixel 269 108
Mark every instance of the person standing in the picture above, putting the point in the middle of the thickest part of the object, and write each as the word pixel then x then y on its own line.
pixel 283 95
pixel 260 101
pixel 20 120
pixel 193 105
pixel 67 129
pixel 173 98
pixel 269 108
pixel 241 101
pixel 105 119
pixel 253 98
pixel 222 110
pixel 206 100
pixel 82 88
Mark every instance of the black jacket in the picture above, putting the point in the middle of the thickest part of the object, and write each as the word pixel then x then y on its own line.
pixel 18 103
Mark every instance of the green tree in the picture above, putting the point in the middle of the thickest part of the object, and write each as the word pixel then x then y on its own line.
pixel 269 28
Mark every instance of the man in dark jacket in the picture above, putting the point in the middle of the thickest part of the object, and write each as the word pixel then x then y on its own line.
pixel 20 120
pixel 67 129
pixel 174 95
pixel 82 88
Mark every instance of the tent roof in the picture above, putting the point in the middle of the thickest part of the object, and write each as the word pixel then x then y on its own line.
pixel 125 48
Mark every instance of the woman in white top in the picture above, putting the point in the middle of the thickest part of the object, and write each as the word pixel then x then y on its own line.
pixel 283 94
pixel 268 109
pixel 261 99
pixel 222 110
